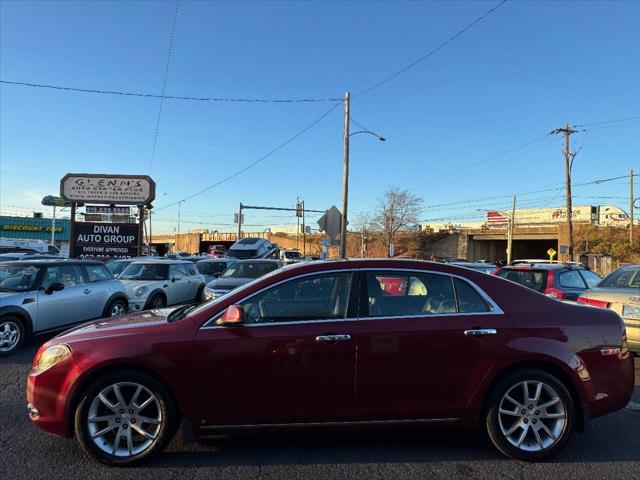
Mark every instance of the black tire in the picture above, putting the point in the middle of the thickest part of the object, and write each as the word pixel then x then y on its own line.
pixel 200 295
pixel 157 300
pixel 166 430
pixel 561 432
pixel 10 327
pixel 115 305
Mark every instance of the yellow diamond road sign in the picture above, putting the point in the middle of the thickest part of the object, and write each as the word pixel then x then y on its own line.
pixel 552 253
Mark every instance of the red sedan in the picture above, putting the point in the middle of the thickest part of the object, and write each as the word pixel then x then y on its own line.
pixel 324 344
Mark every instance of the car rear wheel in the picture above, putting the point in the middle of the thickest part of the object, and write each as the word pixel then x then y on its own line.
pixel 116 308
pixel 530 415
pixel 124 418
pixel 11 335
pixel 156 301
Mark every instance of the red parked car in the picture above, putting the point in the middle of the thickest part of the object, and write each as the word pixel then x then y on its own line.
pixel 322 344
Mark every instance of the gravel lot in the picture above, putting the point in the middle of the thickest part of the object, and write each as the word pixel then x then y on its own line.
pixel 608 451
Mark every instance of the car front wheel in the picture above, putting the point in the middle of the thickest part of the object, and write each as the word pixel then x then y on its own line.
pixel 530 415
pixel 124 418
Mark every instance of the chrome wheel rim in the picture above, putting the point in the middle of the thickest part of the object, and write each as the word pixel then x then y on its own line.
pixel 117 310
pixel 124 419
pixel 9 335
pixel 157 302
pixel 532 416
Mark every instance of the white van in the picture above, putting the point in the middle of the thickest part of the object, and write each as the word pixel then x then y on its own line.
pixel 8 245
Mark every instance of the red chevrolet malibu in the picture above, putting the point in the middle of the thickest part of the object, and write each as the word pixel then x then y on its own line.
pixel 326 344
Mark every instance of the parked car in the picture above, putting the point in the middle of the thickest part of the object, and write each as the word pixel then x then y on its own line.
pixel 479 266
pixel 10 245
pixel 290 256
pixel 12 257
pixel 237 274
pixel 38 296
pixel 158 283
pixel 459 347
pixel 117 266
pixel 620 292
pixel 252 247
pixel 564 281
pixel 212 268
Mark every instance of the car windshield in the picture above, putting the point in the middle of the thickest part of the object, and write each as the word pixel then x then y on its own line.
pixel 117 267
pixel 292 254
pixel 535 280
pixel 145 271
pixel 18 278
pixel 242 254
pixel 622 278
pixel 211 268
pixel 249 270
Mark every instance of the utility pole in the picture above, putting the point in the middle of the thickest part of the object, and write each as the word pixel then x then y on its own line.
pixel 568 160
pixel 304 233
pixel 53 221
pixel 345 180
pixel 630 209
pixel 510 232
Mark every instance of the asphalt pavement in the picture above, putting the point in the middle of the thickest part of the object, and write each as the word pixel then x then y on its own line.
pixel 609 450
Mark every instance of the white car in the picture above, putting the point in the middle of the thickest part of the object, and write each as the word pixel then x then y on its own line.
pixel 152 284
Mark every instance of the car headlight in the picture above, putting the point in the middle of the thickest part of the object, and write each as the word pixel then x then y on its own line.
pixel 51 356
pixel 140 291
pixel 208 293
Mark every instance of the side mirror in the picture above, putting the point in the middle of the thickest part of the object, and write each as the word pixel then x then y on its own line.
pixel 54 287
pixel 173 279
pixel 233 315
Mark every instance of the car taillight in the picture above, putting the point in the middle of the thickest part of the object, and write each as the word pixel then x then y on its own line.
pixel 495 272
pixel 554 293
pixel 593 302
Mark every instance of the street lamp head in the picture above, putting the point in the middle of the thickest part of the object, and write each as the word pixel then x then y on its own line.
pixel 382 139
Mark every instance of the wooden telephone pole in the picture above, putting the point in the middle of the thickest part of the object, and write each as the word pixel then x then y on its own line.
pixel 568 160
pixel 630 209
pixel 510 232
pixel 345 180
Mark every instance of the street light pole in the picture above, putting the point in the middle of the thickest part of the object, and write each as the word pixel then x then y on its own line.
pixel 345 180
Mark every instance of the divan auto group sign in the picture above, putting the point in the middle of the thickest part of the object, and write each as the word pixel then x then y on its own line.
pixel 114 239
pixel 108 189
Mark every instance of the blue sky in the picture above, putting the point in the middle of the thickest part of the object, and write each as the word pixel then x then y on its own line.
pixel 526 69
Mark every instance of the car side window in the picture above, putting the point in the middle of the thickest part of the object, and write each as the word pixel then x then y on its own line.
pixel 97 273
pixel 469 300
pixel 396 294
pixel 318 297
pixel 68 275
pixel 571 279
pixel 591 278
pixel 190 269
pixel 177 272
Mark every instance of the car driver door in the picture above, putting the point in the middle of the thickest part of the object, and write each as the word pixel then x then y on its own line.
pixel 291 361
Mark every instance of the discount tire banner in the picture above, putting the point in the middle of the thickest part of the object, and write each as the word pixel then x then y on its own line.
pixel 114 239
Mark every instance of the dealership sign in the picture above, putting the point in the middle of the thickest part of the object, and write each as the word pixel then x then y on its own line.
pixel 115 239
pixel 108 189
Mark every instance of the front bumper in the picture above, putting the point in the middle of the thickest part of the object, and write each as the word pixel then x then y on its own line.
pixel 136 304
pixel 48 395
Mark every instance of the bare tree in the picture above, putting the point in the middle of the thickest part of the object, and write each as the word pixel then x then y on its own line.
pixel 397 209
pixel 363 224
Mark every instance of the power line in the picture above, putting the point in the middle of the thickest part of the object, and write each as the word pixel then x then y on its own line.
pixel 164 84
pixel 253 164
pixel 173 97
pixel 430 53
pixel 608 121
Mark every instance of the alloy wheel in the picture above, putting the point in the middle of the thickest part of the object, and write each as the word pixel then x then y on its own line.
pixel 9 335
pixel 124 419
pixel 118 309
pixel 532 416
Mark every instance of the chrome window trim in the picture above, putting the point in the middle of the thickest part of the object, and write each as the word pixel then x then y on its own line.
pixel 495 308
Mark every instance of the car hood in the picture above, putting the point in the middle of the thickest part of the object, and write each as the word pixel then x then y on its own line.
pixel 131 285
pixel 227 283
pixel 116 326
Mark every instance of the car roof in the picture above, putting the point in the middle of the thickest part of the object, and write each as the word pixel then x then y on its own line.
pixel 163 261
pixel 259 260
pixel 54 261
pixel 217 260
pixel 248 243
pixel 543 266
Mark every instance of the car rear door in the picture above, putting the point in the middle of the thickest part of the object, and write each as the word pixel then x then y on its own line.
pixel 425 343
pixel 571 283
pixel 293 361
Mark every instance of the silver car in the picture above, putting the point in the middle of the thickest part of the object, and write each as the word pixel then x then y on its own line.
pixel 45 295
pixel 152 284
pixel 241 272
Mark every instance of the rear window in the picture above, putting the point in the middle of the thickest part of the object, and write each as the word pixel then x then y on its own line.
pixel 242 254
pixel 211 268
pixel 571 279
pixel 622 278
pixel 535 280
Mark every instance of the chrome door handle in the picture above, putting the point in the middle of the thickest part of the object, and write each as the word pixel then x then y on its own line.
pixel 86 291
pixel 332 338
pixel 479 332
